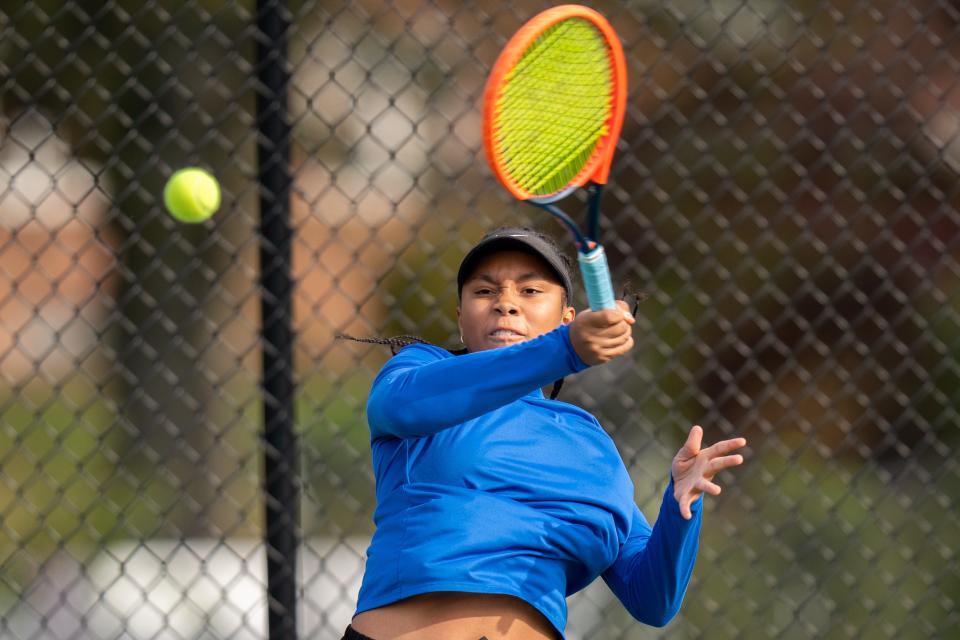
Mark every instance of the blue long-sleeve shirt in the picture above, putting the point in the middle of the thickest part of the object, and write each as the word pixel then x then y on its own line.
pixel 485 486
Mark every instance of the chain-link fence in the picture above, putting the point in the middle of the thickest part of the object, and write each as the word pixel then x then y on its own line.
pixel 785 190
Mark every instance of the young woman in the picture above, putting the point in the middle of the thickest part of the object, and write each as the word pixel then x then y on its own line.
pixel 495 503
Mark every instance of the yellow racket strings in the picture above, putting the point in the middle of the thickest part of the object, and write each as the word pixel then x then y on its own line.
pixel 554 107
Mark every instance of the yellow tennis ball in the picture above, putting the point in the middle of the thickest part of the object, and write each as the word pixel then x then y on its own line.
pixel 192 195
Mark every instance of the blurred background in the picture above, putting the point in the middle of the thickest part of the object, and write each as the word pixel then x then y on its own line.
pixel 785 191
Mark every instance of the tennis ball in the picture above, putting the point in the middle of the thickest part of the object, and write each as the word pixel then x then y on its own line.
pixel 192 195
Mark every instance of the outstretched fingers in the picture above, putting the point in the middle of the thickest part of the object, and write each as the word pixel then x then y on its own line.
pixel 694 468
pixel 724 462
pixel 685 508
pixel 710 487
pixel 725 446
pixel 691 447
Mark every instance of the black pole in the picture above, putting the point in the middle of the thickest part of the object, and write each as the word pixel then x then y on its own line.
pixel 279 440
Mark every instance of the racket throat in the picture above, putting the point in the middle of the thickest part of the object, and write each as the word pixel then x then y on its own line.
pixel 593 210
pixel 578 238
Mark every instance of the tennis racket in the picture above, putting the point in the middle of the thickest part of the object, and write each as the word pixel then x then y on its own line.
pixel 553 108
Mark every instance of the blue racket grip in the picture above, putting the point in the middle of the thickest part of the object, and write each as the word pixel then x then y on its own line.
pixel 596 279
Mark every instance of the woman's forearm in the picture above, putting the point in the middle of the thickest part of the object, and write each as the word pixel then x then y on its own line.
pixel 651 575
pixel 414 396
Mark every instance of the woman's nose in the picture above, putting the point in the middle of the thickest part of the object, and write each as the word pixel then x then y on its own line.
pixel 506 304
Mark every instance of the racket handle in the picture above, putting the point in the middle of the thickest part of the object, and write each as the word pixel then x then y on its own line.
pixel 596 279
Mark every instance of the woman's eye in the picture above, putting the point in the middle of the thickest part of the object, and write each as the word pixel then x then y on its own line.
pixel 531 290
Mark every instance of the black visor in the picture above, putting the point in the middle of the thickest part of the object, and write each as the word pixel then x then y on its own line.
pixel 512 239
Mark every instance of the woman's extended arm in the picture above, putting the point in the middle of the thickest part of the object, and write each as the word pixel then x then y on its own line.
pixel 653 569
pixel 651 574
pixel 419 392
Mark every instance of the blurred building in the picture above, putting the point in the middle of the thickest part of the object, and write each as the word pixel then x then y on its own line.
pixel 57 255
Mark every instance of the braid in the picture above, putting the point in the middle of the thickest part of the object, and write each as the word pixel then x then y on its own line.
pixel 394 343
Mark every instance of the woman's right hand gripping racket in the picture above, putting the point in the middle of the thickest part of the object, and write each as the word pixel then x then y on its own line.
pixel 552 113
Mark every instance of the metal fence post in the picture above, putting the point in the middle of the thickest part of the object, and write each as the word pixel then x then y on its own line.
pixel 280 442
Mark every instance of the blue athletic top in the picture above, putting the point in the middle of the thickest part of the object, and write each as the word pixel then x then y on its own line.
pixel 485 486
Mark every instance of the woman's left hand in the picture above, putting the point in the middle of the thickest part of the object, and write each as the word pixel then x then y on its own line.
pixel 693 468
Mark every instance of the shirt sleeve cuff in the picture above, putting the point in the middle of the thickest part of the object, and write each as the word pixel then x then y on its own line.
pixel 576 364
pixel 670 504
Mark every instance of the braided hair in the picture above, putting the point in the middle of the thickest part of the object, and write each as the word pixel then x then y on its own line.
pixel 395 342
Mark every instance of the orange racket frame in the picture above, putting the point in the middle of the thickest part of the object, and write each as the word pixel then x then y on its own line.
pixel 597 168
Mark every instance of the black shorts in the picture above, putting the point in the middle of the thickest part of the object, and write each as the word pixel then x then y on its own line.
pixel 353 634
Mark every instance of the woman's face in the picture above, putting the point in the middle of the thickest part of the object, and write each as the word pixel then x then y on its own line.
pixel 510 297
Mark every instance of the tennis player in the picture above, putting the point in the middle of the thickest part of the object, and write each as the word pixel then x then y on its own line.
pixel 494 502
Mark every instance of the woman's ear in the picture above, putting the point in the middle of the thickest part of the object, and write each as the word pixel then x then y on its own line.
pixel 569 313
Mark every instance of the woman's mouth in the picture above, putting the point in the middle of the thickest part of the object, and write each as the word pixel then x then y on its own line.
pixel 505 334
